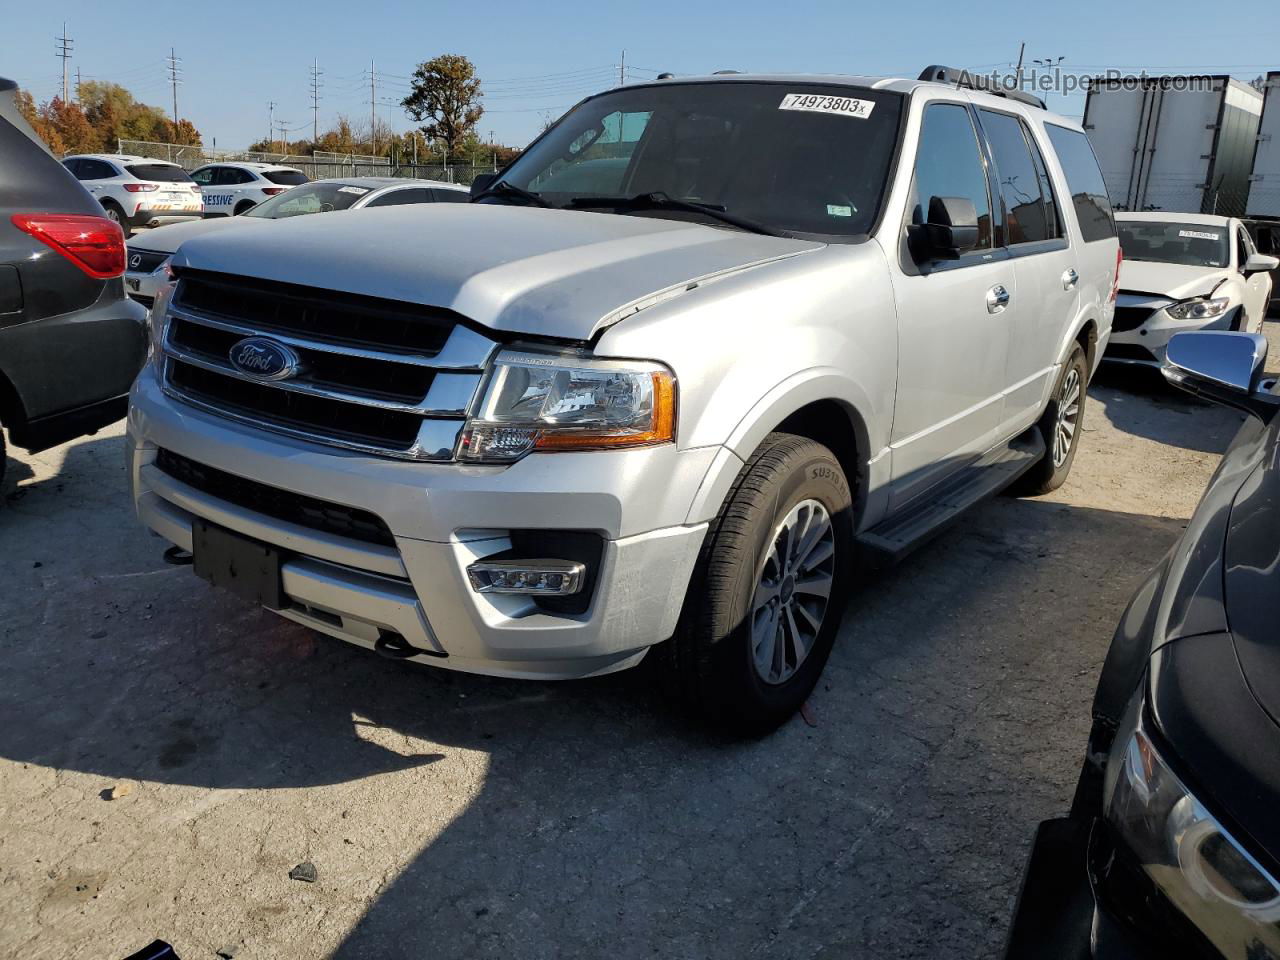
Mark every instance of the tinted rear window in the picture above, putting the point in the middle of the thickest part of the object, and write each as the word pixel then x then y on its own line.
pixel 1084 179
pixel 288 178
pixel 159 173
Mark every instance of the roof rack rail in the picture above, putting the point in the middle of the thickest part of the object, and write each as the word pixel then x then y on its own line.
pixel 976 81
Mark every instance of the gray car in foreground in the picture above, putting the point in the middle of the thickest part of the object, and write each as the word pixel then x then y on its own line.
pixel 664 409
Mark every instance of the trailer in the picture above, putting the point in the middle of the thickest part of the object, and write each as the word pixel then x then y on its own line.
pixel 1264 184
pixel 1177 143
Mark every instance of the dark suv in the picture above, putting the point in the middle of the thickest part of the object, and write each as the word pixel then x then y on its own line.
pixel 71 343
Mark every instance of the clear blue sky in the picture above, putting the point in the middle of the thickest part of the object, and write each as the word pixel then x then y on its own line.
pixel 539 58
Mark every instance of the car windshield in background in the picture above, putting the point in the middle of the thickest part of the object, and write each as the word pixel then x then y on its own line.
pixel 799 158
pixel 323 196
pixel 1188 244
pixel 286 178
pixel 159 173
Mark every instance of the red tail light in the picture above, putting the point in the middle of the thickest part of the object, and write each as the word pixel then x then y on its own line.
pixel 1115 287
pixel 94 244
pixel 194 186
pixel 141 187
pixel 272 191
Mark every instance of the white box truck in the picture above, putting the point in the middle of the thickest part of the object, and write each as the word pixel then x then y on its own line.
pixel 1264 185
pixel 1178 143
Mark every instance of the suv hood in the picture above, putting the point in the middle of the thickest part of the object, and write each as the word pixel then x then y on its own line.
pixel 555 273
pixel 168 239
pixel 1172 280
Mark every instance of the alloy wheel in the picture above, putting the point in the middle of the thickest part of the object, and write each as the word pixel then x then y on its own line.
pixel 1064 430
pixel 793 591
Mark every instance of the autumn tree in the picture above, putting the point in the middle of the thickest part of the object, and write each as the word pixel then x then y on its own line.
pixel 445 99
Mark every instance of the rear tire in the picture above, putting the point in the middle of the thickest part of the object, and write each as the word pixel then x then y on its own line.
pixel 769 589
pixel 116 215
pixel 1060 428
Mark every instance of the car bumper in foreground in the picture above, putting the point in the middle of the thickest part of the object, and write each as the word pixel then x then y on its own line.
pixel 440 518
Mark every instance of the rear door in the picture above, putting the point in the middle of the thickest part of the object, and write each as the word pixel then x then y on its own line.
pixel 1043 267
pixel 953 329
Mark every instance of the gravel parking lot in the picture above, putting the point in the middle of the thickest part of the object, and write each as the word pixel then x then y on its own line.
pixel 168 754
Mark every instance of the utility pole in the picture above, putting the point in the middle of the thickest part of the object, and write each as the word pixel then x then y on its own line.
pixel 174 60
pixel 64 53
pixel 271 122
pixel 79 98
pixel 316 83
pixel 282 126
pixel 622 70
pixel 373 110
pixel 1017 76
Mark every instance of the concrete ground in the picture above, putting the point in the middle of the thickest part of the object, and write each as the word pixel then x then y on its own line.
pixel 168 754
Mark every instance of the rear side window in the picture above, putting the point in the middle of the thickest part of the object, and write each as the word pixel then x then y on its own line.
pixel 1030 215
pixel 286 178
pixel 397 198
pixel 230 176
pixel 451 196
pixel 1084 180
pixel 948 164
pixel 159 173
pixel 95 170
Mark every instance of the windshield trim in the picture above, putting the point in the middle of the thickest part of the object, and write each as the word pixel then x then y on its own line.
pixel 891 173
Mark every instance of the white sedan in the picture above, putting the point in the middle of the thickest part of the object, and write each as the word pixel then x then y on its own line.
pixel 148 259
pixel 1184 271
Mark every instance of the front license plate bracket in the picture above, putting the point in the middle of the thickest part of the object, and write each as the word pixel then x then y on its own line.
pixel 248 568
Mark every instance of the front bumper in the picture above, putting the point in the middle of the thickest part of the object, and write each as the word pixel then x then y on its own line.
pixel 145 287
pixel 442 518
pixel 1147 343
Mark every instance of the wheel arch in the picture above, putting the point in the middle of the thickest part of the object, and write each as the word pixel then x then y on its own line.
pixel 821 405
pixel 243 207
pixel 13 412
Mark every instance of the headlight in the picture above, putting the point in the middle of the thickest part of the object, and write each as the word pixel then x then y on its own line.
pixel 1186 852
pixel 560 402
pixel 1199 308
pixel 157 317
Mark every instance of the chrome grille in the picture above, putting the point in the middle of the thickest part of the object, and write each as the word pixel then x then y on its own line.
pixel 376 376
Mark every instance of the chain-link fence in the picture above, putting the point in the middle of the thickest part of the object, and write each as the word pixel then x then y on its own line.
pixel 322 165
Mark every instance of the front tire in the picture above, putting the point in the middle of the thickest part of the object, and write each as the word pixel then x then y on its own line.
pixel 244 207
pixel 767 596
pixel 1060 428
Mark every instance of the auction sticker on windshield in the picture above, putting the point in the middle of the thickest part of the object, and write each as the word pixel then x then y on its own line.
pixel 1198 235
pixel 814 103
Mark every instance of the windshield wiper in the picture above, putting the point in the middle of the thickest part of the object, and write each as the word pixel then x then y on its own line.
pixel 661 201
pixel 504 189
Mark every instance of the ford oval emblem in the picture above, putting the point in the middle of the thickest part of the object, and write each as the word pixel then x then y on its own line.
pixel 264 359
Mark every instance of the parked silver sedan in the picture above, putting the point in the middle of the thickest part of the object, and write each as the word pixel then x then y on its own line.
pixel 149 253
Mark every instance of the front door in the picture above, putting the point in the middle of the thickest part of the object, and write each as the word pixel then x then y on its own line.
pixel 953 320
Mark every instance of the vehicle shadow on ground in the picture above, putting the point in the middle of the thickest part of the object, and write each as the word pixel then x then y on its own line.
pixel 603 823
pixel 1139 401
pixel 78 479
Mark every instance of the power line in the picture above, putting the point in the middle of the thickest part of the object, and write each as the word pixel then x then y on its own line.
pixel 64 53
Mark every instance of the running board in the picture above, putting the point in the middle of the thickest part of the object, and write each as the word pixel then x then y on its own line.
pixel 892 539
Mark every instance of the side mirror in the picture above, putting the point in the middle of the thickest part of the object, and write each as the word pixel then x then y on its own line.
pixel 951 229
pixel 1260 263
pixel 482 182
pixel 1222 366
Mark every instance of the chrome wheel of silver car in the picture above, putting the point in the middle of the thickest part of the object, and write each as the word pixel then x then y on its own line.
pixel 1068 417
pixel 793 590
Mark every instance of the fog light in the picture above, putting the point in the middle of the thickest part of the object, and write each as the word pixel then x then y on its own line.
pixel 547 578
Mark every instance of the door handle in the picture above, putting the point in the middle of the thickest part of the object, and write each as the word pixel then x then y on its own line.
pixel 1070 278
pixel 997 299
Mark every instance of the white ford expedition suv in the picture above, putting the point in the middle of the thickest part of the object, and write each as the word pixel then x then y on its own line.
pixel 673 374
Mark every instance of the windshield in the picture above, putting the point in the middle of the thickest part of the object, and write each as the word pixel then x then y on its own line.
pixel 159 172
pixel 322 196
pixel 287 178
pixel 801 158
pixel 1188 244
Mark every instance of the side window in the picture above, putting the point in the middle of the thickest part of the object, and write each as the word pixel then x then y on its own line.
pixel 450 196
pixel 1028 218
pixel 399 198
pixel 948 164
pixel 227 176
pixel 204 176
pixel 95 170
pixel 1084 180
pixel 74 167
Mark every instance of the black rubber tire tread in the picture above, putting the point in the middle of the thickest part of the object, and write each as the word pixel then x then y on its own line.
pixel 1044 477
pixel 111 205
pixel 692 660
pixel 243 207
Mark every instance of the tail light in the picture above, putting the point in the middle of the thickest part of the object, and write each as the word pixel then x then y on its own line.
pixel 141 187
pixel 272 191
pixel 1115 287
pixel 94 244
pixel 194 186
